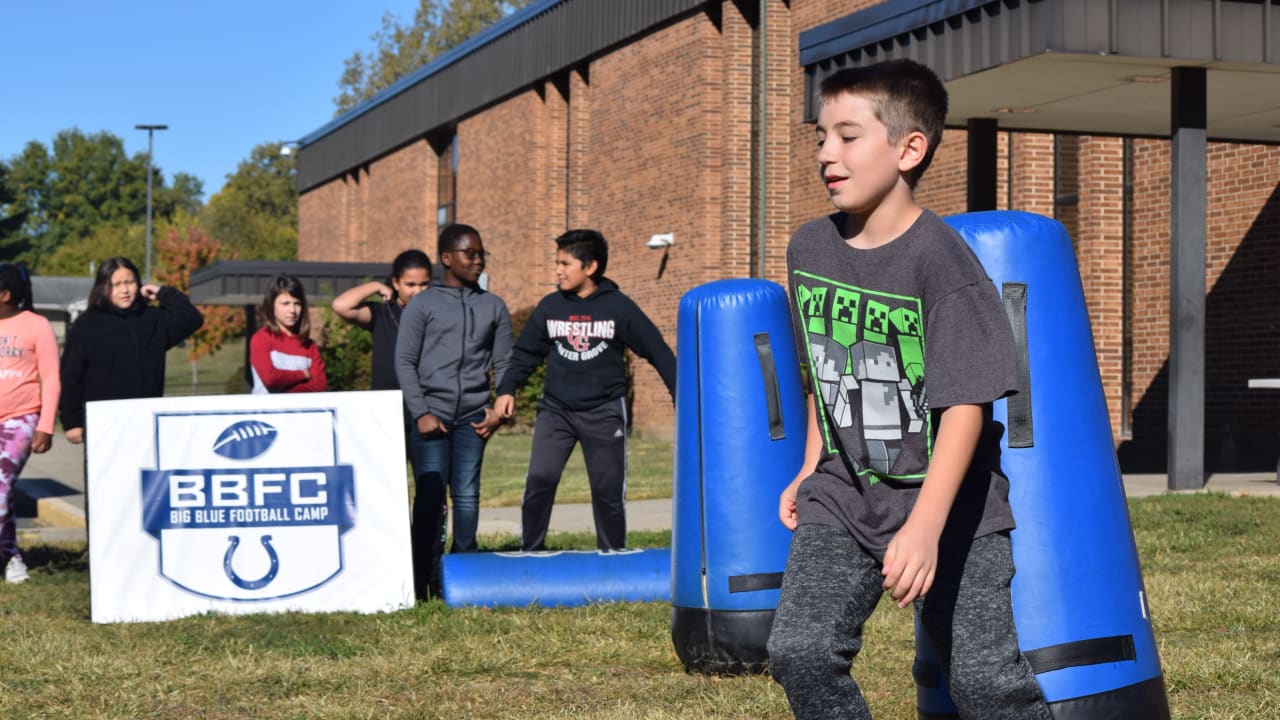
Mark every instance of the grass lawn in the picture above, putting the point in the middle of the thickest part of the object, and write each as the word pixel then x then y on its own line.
pixel 211 371
pixel 1210 565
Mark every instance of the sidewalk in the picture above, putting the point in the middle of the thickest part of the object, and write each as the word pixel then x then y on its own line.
pixel 50 499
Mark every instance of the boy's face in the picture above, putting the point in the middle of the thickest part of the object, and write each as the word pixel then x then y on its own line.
pixel 466 260
pixel 572 276
pixel 857 163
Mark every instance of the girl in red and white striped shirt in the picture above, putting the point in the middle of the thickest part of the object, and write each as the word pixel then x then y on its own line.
pixel 282 354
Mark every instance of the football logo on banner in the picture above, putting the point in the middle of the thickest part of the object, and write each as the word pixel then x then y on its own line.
pixel 248 506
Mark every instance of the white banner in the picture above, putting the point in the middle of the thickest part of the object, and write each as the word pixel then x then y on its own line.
pixel 246 504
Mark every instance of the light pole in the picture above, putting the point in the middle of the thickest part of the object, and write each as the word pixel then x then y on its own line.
pixel 146 275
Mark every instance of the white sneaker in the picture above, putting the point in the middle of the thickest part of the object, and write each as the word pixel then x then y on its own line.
pixel 16 571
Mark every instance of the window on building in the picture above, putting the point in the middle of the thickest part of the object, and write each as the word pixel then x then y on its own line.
pixel 1066 184
pixel 447 182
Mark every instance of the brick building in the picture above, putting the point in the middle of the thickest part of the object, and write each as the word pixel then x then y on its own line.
pixel 694 118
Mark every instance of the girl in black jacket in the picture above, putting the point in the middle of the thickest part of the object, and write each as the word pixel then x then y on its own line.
pixel 116 349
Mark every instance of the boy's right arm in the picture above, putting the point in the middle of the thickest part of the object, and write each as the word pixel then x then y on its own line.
pixel 413 325
pixel 350 305
pixel 812 453
pixel 529 351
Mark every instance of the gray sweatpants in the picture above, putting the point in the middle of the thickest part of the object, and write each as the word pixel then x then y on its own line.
pixel 602 432
pixel 832 585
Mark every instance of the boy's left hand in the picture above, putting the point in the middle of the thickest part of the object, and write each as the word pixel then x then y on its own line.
pixel 491 421
pixel 910 563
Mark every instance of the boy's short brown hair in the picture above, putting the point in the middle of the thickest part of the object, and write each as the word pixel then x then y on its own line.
pixel 906 96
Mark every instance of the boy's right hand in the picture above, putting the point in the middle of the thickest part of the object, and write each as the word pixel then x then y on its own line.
pixel 41 442
pixel 787 503
pixel 75 435
pixel 428 425
pixel 505 406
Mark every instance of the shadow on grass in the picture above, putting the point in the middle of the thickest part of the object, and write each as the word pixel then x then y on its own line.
pixel 57 558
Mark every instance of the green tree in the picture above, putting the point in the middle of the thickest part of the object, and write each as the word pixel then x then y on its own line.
pixel 12 216
pixel 184 197
pixel 69 190
pixel 347 351
pixel 255 215
pixel 76 257
pixel 400 49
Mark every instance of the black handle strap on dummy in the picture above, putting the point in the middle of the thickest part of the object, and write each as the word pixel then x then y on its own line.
pixel 1094 651
pixel 764 351
pixel 1021 431
pixel 756 581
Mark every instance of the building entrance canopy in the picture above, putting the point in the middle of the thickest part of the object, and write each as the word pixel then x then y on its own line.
pixel 1098 67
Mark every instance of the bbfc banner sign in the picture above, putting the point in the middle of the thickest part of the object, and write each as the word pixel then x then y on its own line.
pixel 246 504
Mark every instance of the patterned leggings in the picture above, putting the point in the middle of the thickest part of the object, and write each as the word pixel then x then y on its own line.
pixel 15 448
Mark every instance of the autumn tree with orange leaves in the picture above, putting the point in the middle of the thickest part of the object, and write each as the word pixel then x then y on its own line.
pixel 181 253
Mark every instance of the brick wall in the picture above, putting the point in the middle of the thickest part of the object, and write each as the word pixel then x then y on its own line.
pixel 401 203
pixel 1242 307
pixel 373 212
pixel 502 180
pixel 321 222
pixel 653 161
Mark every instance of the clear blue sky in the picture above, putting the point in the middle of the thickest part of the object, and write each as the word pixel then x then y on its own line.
pixel 224 76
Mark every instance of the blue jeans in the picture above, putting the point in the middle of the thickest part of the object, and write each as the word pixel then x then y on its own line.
pixel 451 460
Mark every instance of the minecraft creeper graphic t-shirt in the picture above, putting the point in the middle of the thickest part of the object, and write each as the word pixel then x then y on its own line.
pixel 891 336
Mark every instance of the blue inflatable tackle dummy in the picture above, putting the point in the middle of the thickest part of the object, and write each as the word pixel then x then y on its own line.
pixel 1079 603
pixel 555 579
pixel 740 425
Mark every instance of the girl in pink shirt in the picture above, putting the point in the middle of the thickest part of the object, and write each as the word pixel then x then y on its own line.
pixel 29 390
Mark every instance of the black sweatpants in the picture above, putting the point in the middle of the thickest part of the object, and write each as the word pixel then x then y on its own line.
pixel 832 585
pixel 602 431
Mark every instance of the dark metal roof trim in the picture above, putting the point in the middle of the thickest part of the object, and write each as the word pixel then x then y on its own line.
pixel 244 282
pixel 988 33
pixel 535 43
pixel 878 23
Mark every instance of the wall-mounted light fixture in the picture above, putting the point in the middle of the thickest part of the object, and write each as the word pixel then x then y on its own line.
pixel 661 240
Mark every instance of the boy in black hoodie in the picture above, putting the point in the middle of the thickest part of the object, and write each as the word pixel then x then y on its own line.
pixel 581 332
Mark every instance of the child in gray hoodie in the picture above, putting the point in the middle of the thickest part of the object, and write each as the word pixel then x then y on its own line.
pixel 452 336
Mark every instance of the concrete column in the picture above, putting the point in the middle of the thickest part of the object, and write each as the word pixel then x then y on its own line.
pixel 1186 279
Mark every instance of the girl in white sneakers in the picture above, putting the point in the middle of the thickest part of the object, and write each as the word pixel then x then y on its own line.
pixel 29 390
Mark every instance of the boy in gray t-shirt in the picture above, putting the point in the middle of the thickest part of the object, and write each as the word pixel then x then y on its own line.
pixel 907 346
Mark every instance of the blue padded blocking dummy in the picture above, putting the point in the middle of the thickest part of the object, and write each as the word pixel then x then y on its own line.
pixel 1079 603
pixel 740 425
pixel 555 579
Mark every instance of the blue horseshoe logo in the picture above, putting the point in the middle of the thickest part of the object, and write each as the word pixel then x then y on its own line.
pixel 251 584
